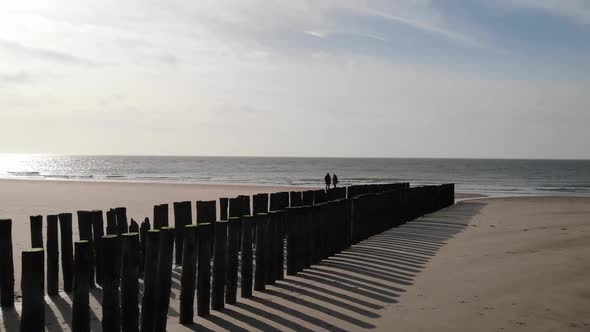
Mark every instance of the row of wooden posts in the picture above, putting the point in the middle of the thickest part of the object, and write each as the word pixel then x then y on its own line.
pixel 247 242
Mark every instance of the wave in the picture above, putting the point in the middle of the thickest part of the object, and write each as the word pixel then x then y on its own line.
pixel 24 173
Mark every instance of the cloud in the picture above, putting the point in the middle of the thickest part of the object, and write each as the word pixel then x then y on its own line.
pixel 45 54
pixel 16 78
pixel 577 10
pixel 436 30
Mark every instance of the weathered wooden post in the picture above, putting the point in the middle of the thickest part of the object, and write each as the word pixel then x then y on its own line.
pixel 260 203
pixel 130 283
pixel 281 243
pixel 133 226
pixel 295 198
pixel 219 266
pixel 204 236
pixel 111 222
pixel 145 227
pixel 164 277
pixel 85 230
pixel 307 197
pixel 291 220
pixel 6 265
pixel 52 256
pixel 231 277
pixel 267 250
pixel 314 234
pixel 260 268
pixel 148 305
pixel 182 217
pixel 246 256
pixel 32 281
pixel 121 215
pixel 111 309
pixel 81 302
pixel 223 206
pixel 67 251
pixel 245 199
pixel 36 231
pixel 97 233
pixel 189 274
pixel 235 207
pixel 319 196
pixel 160 216
pixel 273 232
pixel 308 236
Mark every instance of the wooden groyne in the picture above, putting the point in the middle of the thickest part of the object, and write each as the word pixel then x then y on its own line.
pixel 255 242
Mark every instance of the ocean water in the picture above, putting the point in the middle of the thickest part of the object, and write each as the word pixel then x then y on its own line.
pixel 488 176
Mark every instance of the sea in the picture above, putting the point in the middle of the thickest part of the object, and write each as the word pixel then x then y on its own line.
pixel 496 177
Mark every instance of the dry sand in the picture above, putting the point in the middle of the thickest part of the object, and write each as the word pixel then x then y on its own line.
pixel 482 265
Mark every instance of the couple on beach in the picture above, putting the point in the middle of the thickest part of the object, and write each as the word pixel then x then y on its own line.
pixel 330 180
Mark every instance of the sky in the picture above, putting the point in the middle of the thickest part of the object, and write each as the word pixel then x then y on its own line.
pixel 328 78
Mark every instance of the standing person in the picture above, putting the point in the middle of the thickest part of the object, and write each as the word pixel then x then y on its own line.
pixel 334 180
pixel 328 179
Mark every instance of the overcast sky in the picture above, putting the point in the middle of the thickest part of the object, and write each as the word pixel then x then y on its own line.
pixel 383 78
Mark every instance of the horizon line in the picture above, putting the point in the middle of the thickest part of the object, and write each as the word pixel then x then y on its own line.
pixel 284 156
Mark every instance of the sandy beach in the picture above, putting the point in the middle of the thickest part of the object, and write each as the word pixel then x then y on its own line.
pixel 487 264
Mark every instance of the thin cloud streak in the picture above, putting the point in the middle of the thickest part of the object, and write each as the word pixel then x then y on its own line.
pixel 433 29
pixel 45 54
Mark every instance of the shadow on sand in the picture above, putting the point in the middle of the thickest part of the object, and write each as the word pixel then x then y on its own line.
pixel 345 292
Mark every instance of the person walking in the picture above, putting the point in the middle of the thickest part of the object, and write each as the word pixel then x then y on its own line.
pixel 334 180
pixel 328 180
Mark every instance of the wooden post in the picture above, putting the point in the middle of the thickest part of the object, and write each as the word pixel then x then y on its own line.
pixel 307 197
pixel 111 222
pixel 273 237
pixel 274 201
pixel 81 302
pixel 67 251
pixel 85 230
pixel 260 269
pixel 189 274
pixel 213 210
pixel 97 233
pixel 6 265
pixel 281 245
pixel 122 226
pixel 223 206
pixel 149 281
pixel 206 211
pixel 219 266
pixel 308 236
pixel 133 226
pixel 32 280
pixel 235 207
pixel 160 216
pixel 231 277
pixel 164 277
pixel 246 256
pixel 267 250
pixel 145 227
pixel 260 203
pixel 295 198
pixel 245 210
pixel 111 312
pixel 52 256
pixel 204 236
pixel 182 217
pixel 36 231
pixel 290 227
pixel 130 283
